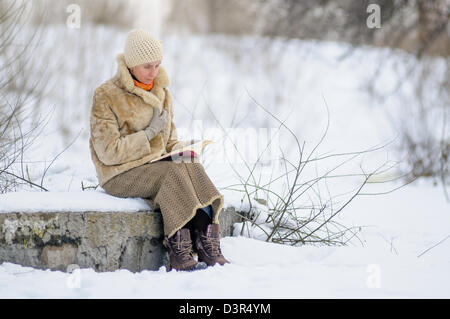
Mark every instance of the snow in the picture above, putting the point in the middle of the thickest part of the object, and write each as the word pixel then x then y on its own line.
pixel 73 201
pixel 257 270
pixel 390 259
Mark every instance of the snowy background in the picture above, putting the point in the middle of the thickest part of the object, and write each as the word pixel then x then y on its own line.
pixel 305 83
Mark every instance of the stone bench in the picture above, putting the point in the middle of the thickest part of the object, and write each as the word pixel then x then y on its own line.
pixel 104 241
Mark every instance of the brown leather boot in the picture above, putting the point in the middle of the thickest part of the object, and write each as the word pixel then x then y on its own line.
pixel 207 244
pixel 179 247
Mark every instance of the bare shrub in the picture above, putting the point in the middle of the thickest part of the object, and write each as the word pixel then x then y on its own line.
pixel 294 208
pixel 20 92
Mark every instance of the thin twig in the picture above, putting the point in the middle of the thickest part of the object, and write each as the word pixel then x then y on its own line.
pixel 427 250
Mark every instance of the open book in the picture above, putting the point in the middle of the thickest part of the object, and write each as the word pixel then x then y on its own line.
pixel 185 149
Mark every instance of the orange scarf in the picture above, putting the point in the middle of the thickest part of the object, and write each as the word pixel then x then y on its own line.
pixel 141 85
pixel 146 87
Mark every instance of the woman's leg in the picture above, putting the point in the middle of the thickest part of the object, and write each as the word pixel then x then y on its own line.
pixel 147 181
pixel 206 237
pixel 201 219
pixel 177 190
pixel 185 190
pixel 180 191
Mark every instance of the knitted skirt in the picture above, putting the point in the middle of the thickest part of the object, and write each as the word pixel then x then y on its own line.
pixel 176 189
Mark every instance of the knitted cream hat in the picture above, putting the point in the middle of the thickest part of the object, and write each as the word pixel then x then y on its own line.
pixel 141 47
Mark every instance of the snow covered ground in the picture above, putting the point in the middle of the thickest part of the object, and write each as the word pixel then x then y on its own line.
pixel 402 227
pixel 390 261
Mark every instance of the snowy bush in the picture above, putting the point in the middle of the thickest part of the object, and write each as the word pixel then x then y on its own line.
pixel 21 89
pixel 294 206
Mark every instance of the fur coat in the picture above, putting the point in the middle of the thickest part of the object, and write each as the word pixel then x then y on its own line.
pixel 120 113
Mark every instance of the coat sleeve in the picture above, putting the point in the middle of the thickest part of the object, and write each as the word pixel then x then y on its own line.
pixel 173 137
pixel 111 148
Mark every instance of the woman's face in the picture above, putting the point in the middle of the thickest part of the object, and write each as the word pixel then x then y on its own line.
pixel 146 72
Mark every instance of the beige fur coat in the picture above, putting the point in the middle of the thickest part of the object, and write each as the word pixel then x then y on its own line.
pixel 120 113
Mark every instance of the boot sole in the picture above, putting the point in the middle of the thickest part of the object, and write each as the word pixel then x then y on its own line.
pixel 198 266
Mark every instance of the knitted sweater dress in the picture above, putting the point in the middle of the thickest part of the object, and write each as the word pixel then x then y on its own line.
pixel 176 189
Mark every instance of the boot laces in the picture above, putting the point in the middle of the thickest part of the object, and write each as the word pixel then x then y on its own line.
pixel 183 249
pixel 212 245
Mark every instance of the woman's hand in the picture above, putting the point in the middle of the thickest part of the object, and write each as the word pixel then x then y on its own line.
pixel 157 124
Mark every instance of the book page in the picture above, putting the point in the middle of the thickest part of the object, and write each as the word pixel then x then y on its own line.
pixel 194 149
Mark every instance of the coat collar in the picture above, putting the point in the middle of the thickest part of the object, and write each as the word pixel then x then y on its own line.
pixel 155 96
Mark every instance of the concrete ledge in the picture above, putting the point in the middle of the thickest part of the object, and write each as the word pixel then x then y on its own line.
pixel 104 241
